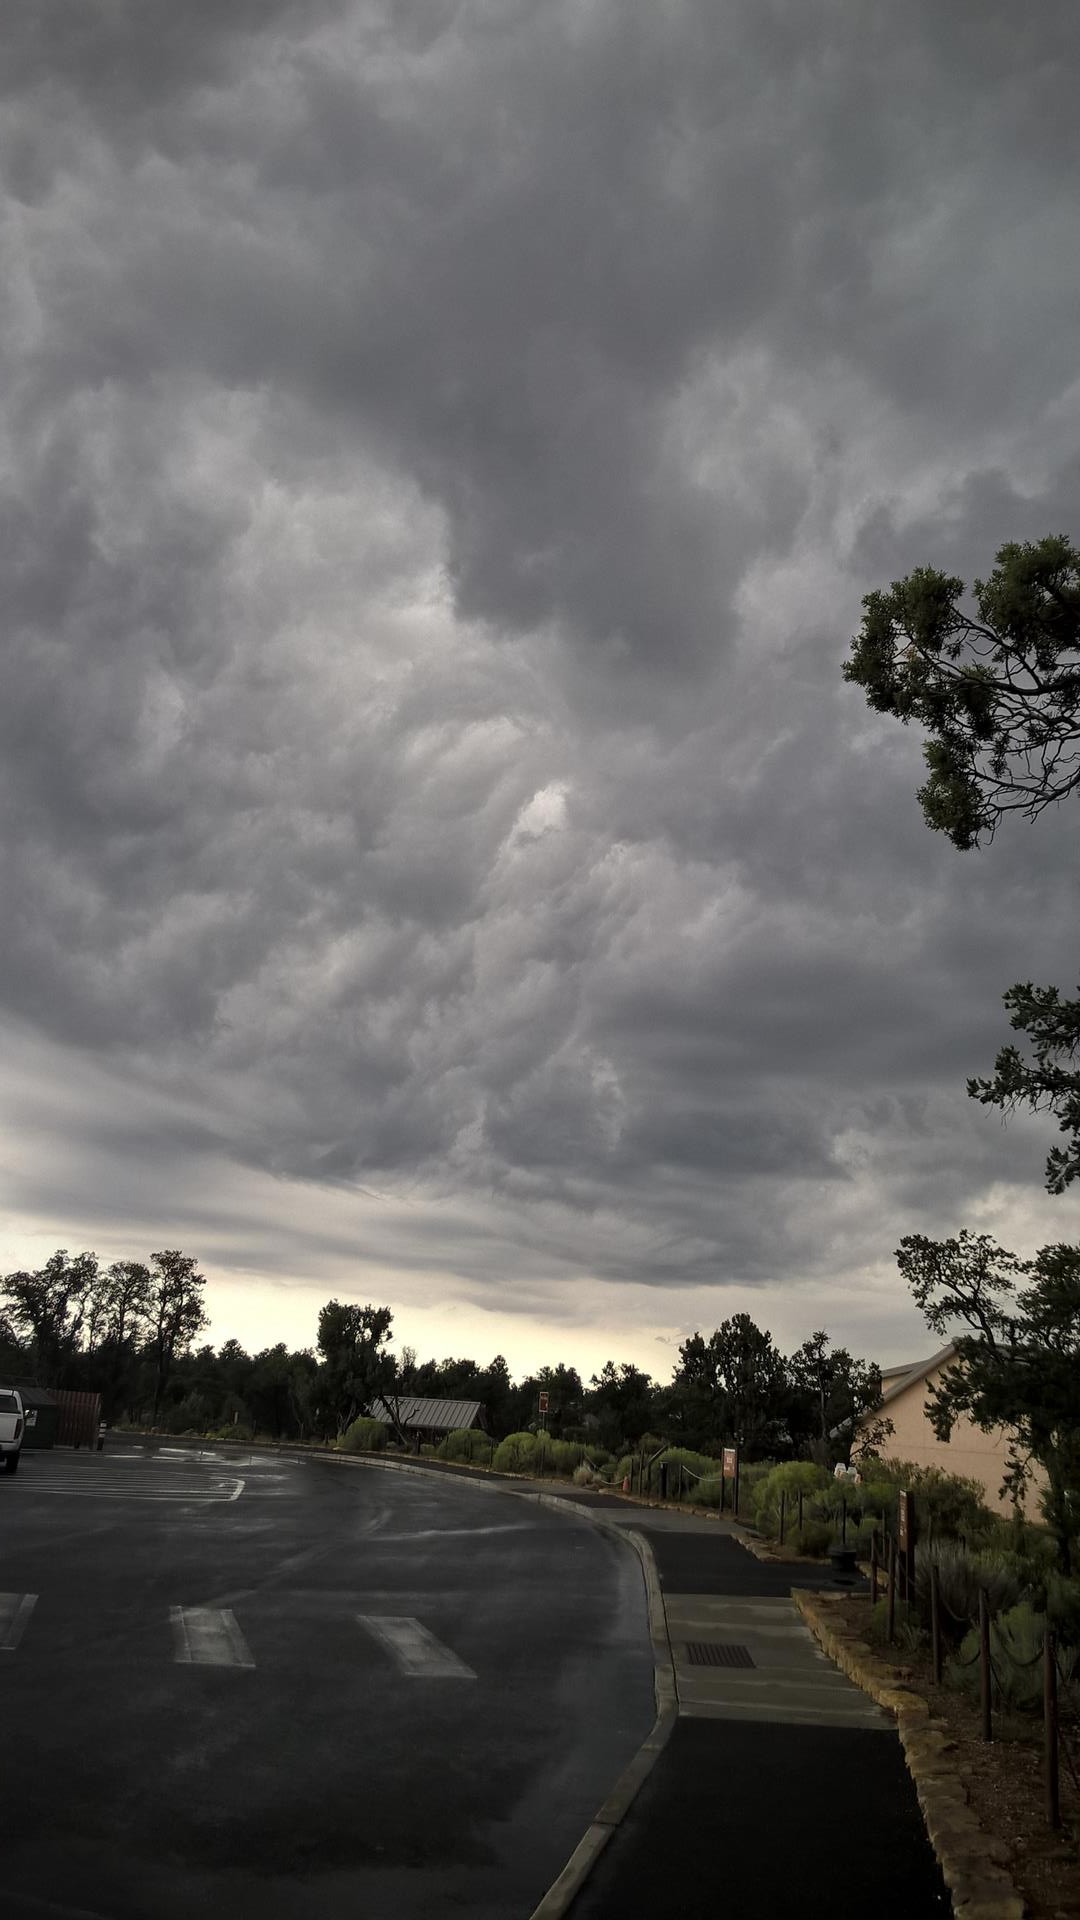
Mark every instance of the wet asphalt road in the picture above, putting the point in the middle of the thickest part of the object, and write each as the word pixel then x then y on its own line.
pixel 260 1686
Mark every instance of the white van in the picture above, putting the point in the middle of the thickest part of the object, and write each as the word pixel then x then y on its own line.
pixel 12 1428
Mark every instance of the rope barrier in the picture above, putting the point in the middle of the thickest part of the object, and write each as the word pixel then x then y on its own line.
pixel 1004 1664
pixel 1014 1659
pixel 966 1663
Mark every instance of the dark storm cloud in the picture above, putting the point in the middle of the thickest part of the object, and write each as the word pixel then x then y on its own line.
pixel 444 451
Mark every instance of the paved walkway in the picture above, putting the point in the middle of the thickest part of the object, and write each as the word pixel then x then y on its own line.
pixel 782 1790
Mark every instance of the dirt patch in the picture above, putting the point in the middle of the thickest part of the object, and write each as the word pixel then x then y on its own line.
pixel 1003 1780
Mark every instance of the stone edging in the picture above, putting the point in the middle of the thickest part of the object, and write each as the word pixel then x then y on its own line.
pixel 970 1858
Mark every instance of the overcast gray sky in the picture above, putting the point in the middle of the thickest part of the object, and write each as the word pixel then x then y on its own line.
pixel 444 447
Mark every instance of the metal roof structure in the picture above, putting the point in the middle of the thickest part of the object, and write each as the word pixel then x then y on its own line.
pixel 912 1375
pixel 430 1416
pixel 32 1396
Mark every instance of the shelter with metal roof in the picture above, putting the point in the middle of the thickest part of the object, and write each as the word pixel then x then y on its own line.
pixel 429 1420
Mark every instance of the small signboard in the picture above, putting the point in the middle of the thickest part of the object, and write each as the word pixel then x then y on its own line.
pixel 731 1462
pixel 543 1403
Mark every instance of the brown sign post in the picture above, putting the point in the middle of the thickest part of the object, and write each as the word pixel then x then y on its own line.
pixel 729 1465
pixel 906 1541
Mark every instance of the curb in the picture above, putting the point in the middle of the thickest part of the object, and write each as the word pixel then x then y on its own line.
pixel 565 1889
pixel 970 1859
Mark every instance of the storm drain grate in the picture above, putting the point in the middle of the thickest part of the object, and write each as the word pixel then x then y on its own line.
pixel 713 1653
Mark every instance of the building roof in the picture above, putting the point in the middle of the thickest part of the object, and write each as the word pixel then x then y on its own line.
pixel 897 1380
pixel 32 1396
pixel 917 1372
pixel 445 1416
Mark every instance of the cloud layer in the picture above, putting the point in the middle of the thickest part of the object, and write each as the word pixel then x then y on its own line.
pixel 443 451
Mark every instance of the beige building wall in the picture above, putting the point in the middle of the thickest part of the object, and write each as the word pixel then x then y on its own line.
pixel 970 1452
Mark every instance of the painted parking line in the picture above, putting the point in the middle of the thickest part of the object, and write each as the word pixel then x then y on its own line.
pixel 415 1651
pixel 15 1611
pixel 208 1637
pixel 165 1489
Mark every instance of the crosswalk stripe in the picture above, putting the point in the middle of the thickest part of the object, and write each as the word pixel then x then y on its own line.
pixel 416 1652
pixel 208 1637
pixel 15 1611
pixel 201 1492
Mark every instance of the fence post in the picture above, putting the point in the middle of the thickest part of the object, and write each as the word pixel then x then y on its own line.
pixel 984 1664
pixel 800 1508
pixel 873 1568
pixel 935 1622
pixel 783 1514
pixel 890 1609
pixel 1050 1728
pixel 843 1520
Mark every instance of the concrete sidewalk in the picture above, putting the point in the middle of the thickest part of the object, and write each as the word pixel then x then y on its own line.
pixel 781 1789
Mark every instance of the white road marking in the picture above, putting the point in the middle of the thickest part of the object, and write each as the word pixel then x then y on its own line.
pixel 208 1637
pixel 455 1533
pixel 416 1652
pixel 108 1488
pixel 15 1611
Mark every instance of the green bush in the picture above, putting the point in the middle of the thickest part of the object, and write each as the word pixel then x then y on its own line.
pixel 751 1475
pixel 567 1455
pixel 364 1436
pixel 962 1576
pixel 813 1537
pixel 682 1463
pixel 874 1498
pixel 908 1633
pixel 789 1479
pixel 466 1443
pixel 190 1415
pixel 707 1491
pixel 946 1505
pixel 518 1453
pixel 1062 1604
pixel 1016 1643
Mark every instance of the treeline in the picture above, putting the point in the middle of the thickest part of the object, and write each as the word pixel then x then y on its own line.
pixel 130 1331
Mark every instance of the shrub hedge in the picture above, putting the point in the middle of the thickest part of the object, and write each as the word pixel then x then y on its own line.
pixel 364 1436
